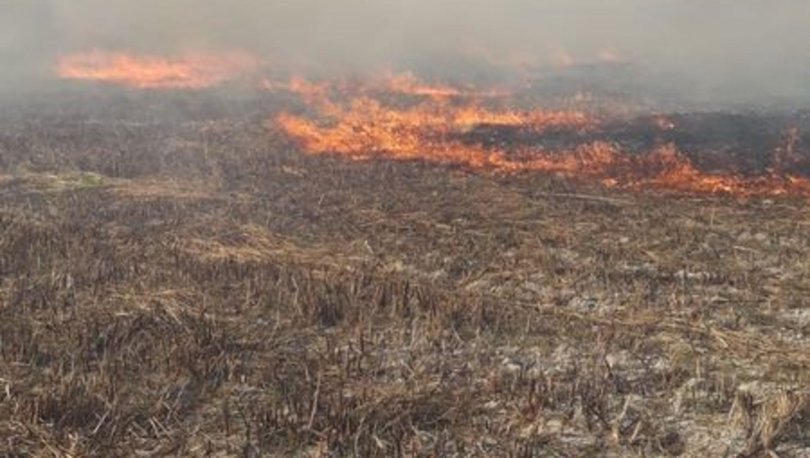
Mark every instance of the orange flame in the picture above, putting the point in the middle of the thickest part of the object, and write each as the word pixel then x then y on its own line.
pixel 365 128
pixel 193 71
pixel 407 83
pixel 353 121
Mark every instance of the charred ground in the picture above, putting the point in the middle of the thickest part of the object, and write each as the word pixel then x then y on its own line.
pixel 721 142
pixel 179 279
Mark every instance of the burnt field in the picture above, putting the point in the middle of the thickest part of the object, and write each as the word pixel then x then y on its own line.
pixel 178 277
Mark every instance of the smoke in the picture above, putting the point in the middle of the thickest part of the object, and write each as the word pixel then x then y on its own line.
pixel 739 47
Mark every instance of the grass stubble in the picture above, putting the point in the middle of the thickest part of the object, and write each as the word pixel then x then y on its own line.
pixel 201 289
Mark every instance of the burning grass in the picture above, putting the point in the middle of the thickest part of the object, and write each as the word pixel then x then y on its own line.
pixel 193 71
pixel 400 117
pixel 436 129
pixel 186 288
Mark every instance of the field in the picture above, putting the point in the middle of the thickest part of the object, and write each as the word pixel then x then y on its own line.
pixel 178 278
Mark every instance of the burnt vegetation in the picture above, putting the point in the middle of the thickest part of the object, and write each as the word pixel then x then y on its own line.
pixel 177 279
pixel 738 143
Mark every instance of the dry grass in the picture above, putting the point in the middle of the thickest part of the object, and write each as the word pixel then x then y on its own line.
pixel 213 294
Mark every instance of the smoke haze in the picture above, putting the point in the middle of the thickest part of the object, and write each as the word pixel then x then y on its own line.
pixel 742 47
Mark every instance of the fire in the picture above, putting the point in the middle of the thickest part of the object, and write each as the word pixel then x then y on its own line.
pixel 400 117
pixel 679 174
pixel 361 127
pixel 192 71
pixel 367 127
pixel 407 83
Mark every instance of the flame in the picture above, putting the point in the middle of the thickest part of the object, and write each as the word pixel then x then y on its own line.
pixel 193 71
pixel 364 128
pixel 447 124
pixel 679 174
pixel 407 83
pixel 368 127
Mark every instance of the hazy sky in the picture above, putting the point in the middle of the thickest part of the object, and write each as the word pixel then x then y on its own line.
pixel 764 45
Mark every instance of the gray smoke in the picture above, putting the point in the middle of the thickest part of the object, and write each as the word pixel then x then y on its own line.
pixel 742 48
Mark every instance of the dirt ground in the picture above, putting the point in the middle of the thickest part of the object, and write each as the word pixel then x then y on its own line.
pixel 198 287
